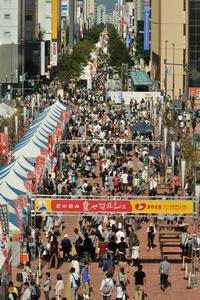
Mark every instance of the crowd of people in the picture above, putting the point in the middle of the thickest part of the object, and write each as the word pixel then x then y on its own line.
pixel 97 158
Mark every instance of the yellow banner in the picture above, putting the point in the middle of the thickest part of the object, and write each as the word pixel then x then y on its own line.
pixel 162 206
pixel 54 19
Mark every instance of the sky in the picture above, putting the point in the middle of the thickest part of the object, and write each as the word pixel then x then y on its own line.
pixel 108 3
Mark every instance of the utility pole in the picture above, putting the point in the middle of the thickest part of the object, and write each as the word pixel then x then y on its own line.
pixel 173 77
pixel 22 47
pixel 165 62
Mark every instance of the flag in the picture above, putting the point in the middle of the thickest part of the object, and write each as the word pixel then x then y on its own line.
pixel 39 169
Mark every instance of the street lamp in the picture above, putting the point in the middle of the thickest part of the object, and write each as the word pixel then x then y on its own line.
pixel 166 69
pixel 173 77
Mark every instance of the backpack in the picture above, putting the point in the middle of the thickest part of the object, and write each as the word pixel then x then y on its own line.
pixel 106 288
pixel 38 292
pixel 35 292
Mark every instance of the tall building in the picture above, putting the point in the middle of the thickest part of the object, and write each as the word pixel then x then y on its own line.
pixel 42 36
pixel 11 40
pixel 194 46
pixel 89 13
pixel 101 14
pixel 169 44
pixel 110 18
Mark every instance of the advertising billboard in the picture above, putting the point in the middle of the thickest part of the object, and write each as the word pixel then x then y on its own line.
pixel 143 206
pixel 54 54
pixel 146 25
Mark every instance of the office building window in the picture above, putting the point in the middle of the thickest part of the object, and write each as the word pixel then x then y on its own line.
pixel 184 29
pixel 184 5
pixel 7 17
pixel 7 35
pixel 29 18
pixel 133 12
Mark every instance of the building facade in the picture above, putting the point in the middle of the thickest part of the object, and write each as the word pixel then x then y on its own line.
pixel 194 46
pixel 11 40
pixel 101 14
pixel 169 44
pixel 42 36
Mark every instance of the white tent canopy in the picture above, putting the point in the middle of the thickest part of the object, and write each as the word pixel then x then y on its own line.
pixel 37 139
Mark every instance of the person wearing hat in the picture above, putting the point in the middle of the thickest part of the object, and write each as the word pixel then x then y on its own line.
pixel 66 248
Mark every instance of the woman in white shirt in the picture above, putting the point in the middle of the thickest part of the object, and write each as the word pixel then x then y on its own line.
pixel 59 287
pixel 121 291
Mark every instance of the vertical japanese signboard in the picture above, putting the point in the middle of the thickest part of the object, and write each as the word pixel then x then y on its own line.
pixel 4 220
pixel 54 54
pixel 146 25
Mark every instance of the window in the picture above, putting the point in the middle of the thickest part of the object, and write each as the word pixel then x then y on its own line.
pixel 7 35
pixel 7 16
pixel 184 29
pixel 133 12
pixel 184 57
pixel 184 5
pixel 28 18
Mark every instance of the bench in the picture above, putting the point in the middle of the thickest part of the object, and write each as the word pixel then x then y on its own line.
pixel 171 253
pixel 173 227
pixel 169 235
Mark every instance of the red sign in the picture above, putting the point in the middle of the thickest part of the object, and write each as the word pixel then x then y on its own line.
pixel 50 146
pixel 58 132
pixel 3 139
pixel 39 169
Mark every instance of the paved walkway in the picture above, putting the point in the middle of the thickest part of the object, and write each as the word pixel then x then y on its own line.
pixel 150 260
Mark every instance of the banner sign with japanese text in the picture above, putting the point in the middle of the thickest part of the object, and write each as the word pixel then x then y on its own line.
pixel 147 25
pixel 114 206
pixel 39 169
pixel 19 205
pixel 4 220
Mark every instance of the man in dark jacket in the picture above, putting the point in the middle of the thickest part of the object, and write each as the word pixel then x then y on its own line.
pixel 66 248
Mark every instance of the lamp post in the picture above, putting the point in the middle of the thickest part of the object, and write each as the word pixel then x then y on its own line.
pixel 173 76
pixel 166 69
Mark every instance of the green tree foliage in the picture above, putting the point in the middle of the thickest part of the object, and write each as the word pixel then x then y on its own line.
pixel 71 65
pixel 118 52
pixel 140 52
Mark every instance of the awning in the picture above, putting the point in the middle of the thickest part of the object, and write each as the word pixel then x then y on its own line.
pixel 140 78
pixel 142 127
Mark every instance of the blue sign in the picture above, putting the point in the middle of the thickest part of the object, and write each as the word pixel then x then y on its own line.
pixel 64 7
pixel 127 41
pixel 146 25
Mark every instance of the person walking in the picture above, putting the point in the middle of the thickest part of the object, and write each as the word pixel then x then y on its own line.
pixel 107 287
pixel 86 281
pixel 151 231
pixel 121 291
pixel 59 287
pixel 140 280
pixel 74 284
pixel 135 252
pixel 47 285
pixel 54 252
pixel 26 292
pixel 35 290
pixel 66 248
pixel 164 273
pixel 122 277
